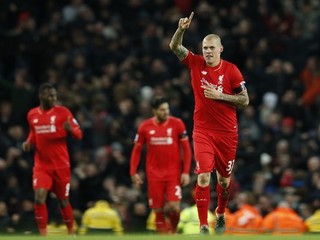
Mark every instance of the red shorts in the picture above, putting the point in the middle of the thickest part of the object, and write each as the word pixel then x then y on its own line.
pixel 214 151
pixel 160 192
pixel 57 181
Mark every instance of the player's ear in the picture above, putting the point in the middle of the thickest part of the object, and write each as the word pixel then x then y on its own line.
pixel 221 49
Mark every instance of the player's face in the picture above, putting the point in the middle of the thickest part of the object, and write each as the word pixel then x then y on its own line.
pixel 48 98
pixel 162 112
pixel 211 50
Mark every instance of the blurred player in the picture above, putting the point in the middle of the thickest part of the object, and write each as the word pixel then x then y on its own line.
pixel 49 126
pixel 164 137
pixel 218 87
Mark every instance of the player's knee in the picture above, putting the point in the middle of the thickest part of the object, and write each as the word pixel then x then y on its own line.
pixel 63 203
pixel 203 179
pixel 158 210
pixel 39 200
pixel 224 183
pixel 173 207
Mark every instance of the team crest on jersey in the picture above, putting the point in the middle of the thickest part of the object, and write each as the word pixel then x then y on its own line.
pixel 220 81
pixel 169 132
pixel 52 120
pixel 204 72
pixel 36 120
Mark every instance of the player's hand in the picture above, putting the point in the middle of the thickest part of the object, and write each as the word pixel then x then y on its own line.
pixel 136 180
pixel 67 125
pixel 26 146
pixel 185 179
pixel 211 92
pixel 184 23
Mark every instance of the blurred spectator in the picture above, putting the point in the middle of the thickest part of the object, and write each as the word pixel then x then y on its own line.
pixel 246 219
pixel 313 222
pixel 138 212
pixel 283 220
pixel 101 218
pixel 23 220
pixel 264 205
pixel 4 218
pixel 269 102
pixel 310 76
pixel 5 115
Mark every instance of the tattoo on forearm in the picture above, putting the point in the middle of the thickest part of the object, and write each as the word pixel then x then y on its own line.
pixel 237 100
pixel 181 52
pixel 176 44
pixel 177 38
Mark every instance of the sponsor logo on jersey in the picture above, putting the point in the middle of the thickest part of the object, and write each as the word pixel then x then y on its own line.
pixel 50 128
pixel 168 140
pixel 161 140
pixel 45 129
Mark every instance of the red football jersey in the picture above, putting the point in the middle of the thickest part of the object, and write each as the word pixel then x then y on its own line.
pixel 163 158
pixel 210 114
pixel 49 137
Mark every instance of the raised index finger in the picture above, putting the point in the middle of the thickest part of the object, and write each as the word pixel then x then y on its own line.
pixel 191 16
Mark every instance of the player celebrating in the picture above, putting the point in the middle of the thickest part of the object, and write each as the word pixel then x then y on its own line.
pixel 49 126
pixel 164 137
pixel 218 88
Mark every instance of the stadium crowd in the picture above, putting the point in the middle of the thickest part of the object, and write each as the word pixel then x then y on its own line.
pixel 107 59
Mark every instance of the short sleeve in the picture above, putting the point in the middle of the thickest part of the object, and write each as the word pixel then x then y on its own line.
pixel 236 78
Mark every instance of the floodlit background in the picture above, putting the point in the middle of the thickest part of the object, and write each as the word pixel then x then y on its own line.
pixel 108 58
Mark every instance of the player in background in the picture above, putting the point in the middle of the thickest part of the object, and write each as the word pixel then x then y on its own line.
pixel 218 88
pixel 49 126
pixel 166 138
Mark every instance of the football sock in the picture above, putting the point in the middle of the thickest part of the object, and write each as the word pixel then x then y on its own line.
pixel 202 198
pixel 223 197
pixel 160 222
pixel 67 217
pixel 174 220
pixel 41 215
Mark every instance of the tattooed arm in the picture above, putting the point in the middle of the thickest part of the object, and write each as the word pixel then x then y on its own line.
pixel 176 42
pixel 241 99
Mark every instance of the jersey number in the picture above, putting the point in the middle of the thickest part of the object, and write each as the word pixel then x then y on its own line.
pixel 178 192
pixel 67 190
pixel 230 166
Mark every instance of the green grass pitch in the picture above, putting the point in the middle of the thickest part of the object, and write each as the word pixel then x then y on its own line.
pixel 163 237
